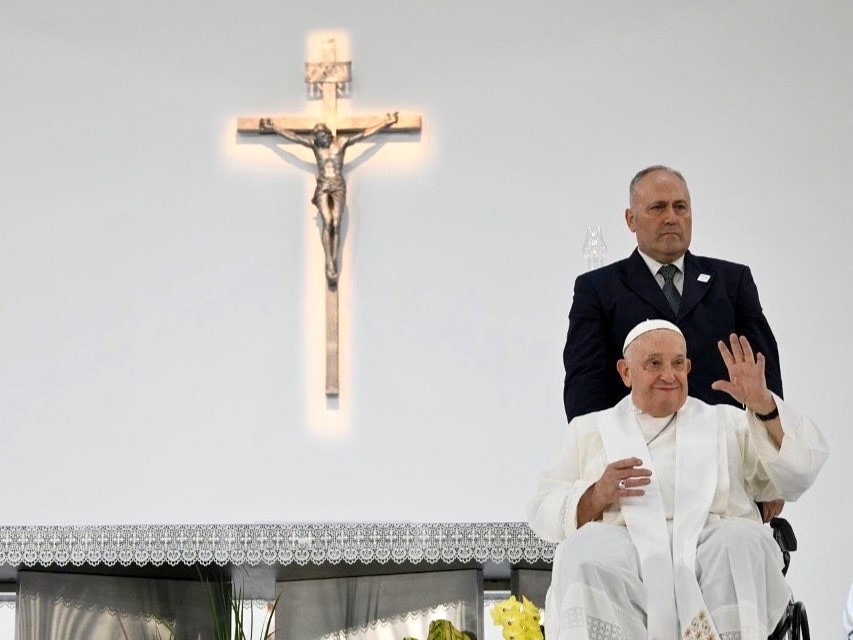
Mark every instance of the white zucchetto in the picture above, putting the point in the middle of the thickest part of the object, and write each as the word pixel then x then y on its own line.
pixel 644 327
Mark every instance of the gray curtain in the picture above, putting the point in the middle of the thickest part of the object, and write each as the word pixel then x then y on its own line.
pixel 386 607
pixel 57 606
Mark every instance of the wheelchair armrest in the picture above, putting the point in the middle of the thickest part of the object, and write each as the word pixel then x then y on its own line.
pixel 784 534
pixel 785 538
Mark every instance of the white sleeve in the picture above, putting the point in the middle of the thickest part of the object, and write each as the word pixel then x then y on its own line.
pixel 552 513
pixel 772 473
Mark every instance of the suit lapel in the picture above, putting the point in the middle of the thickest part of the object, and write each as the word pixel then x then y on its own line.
pixel 637 277
pixel 693 290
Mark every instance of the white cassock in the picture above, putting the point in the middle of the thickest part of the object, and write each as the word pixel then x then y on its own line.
pixel 690 558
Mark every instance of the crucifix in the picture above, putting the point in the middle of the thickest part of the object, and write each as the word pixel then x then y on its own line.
pixel 329 138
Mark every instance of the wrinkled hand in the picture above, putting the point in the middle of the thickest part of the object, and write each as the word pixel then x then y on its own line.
pixel 771 509
pixel 746 382
pixel 606 491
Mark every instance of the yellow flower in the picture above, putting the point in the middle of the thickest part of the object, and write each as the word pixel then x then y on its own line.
pixel 513 632
pixel 532 632
pixel 530 611
pixel 512 622
pixel 504 609
pixel 528 607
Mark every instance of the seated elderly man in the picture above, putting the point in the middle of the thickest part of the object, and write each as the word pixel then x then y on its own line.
pixel 654 502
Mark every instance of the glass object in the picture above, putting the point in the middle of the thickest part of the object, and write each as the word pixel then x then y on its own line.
pixel 594 248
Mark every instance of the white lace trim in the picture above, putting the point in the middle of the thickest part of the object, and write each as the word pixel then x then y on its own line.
pixel 68 602
pixel 271 544
pixel 260 605
pixel 426 614
pixel 597 629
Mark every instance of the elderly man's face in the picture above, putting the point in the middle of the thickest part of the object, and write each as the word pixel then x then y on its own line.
pixel 655 367
pixel 660 216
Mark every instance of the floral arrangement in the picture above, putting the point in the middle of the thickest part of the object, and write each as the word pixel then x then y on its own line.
pixel 443 630
pixel 519 620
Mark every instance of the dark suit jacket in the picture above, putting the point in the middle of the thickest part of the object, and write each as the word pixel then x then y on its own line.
pixel 610 301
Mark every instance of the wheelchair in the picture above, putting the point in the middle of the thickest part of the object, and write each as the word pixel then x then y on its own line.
pixel 795 623
pixel 793 626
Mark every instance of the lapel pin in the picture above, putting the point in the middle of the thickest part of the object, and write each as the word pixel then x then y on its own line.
pixel 703 277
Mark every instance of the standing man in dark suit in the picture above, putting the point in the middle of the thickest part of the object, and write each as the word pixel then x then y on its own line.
pixel 708 299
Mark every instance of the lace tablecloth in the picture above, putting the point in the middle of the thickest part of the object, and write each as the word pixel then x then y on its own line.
pixel 271 544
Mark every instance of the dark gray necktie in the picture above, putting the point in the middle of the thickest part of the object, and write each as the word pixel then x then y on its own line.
pixel 668 272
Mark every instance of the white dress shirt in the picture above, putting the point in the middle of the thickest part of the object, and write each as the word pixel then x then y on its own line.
pixel 654 265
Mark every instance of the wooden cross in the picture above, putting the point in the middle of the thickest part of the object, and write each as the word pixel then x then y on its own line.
pixel 329 80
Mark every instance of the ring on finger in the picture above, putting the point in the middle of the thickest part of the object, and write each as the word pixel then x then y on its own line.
pixel 622 484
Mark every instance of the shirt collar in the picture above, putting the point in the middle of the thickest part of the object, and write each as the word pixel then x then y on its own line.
pixel 647 418
pixel 654 265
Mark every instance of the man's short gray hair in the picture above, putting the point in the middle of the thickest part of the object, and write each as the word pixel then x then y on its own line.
pixel 642 174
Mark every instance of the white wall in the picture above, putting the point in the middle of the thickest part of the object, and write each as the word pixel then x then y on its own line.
pixel 161 343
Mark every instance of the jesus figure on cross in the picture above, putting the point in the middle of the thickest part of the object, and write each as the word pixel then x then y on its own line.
pixel 331 193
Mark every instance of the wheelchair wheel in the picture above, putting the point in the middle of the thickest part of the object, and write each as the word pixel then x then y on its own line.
pixel 800 622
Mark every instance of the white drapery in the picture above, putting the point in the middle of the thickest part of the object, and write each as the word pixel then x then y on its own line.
pixel 58 606
pixel 383 607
